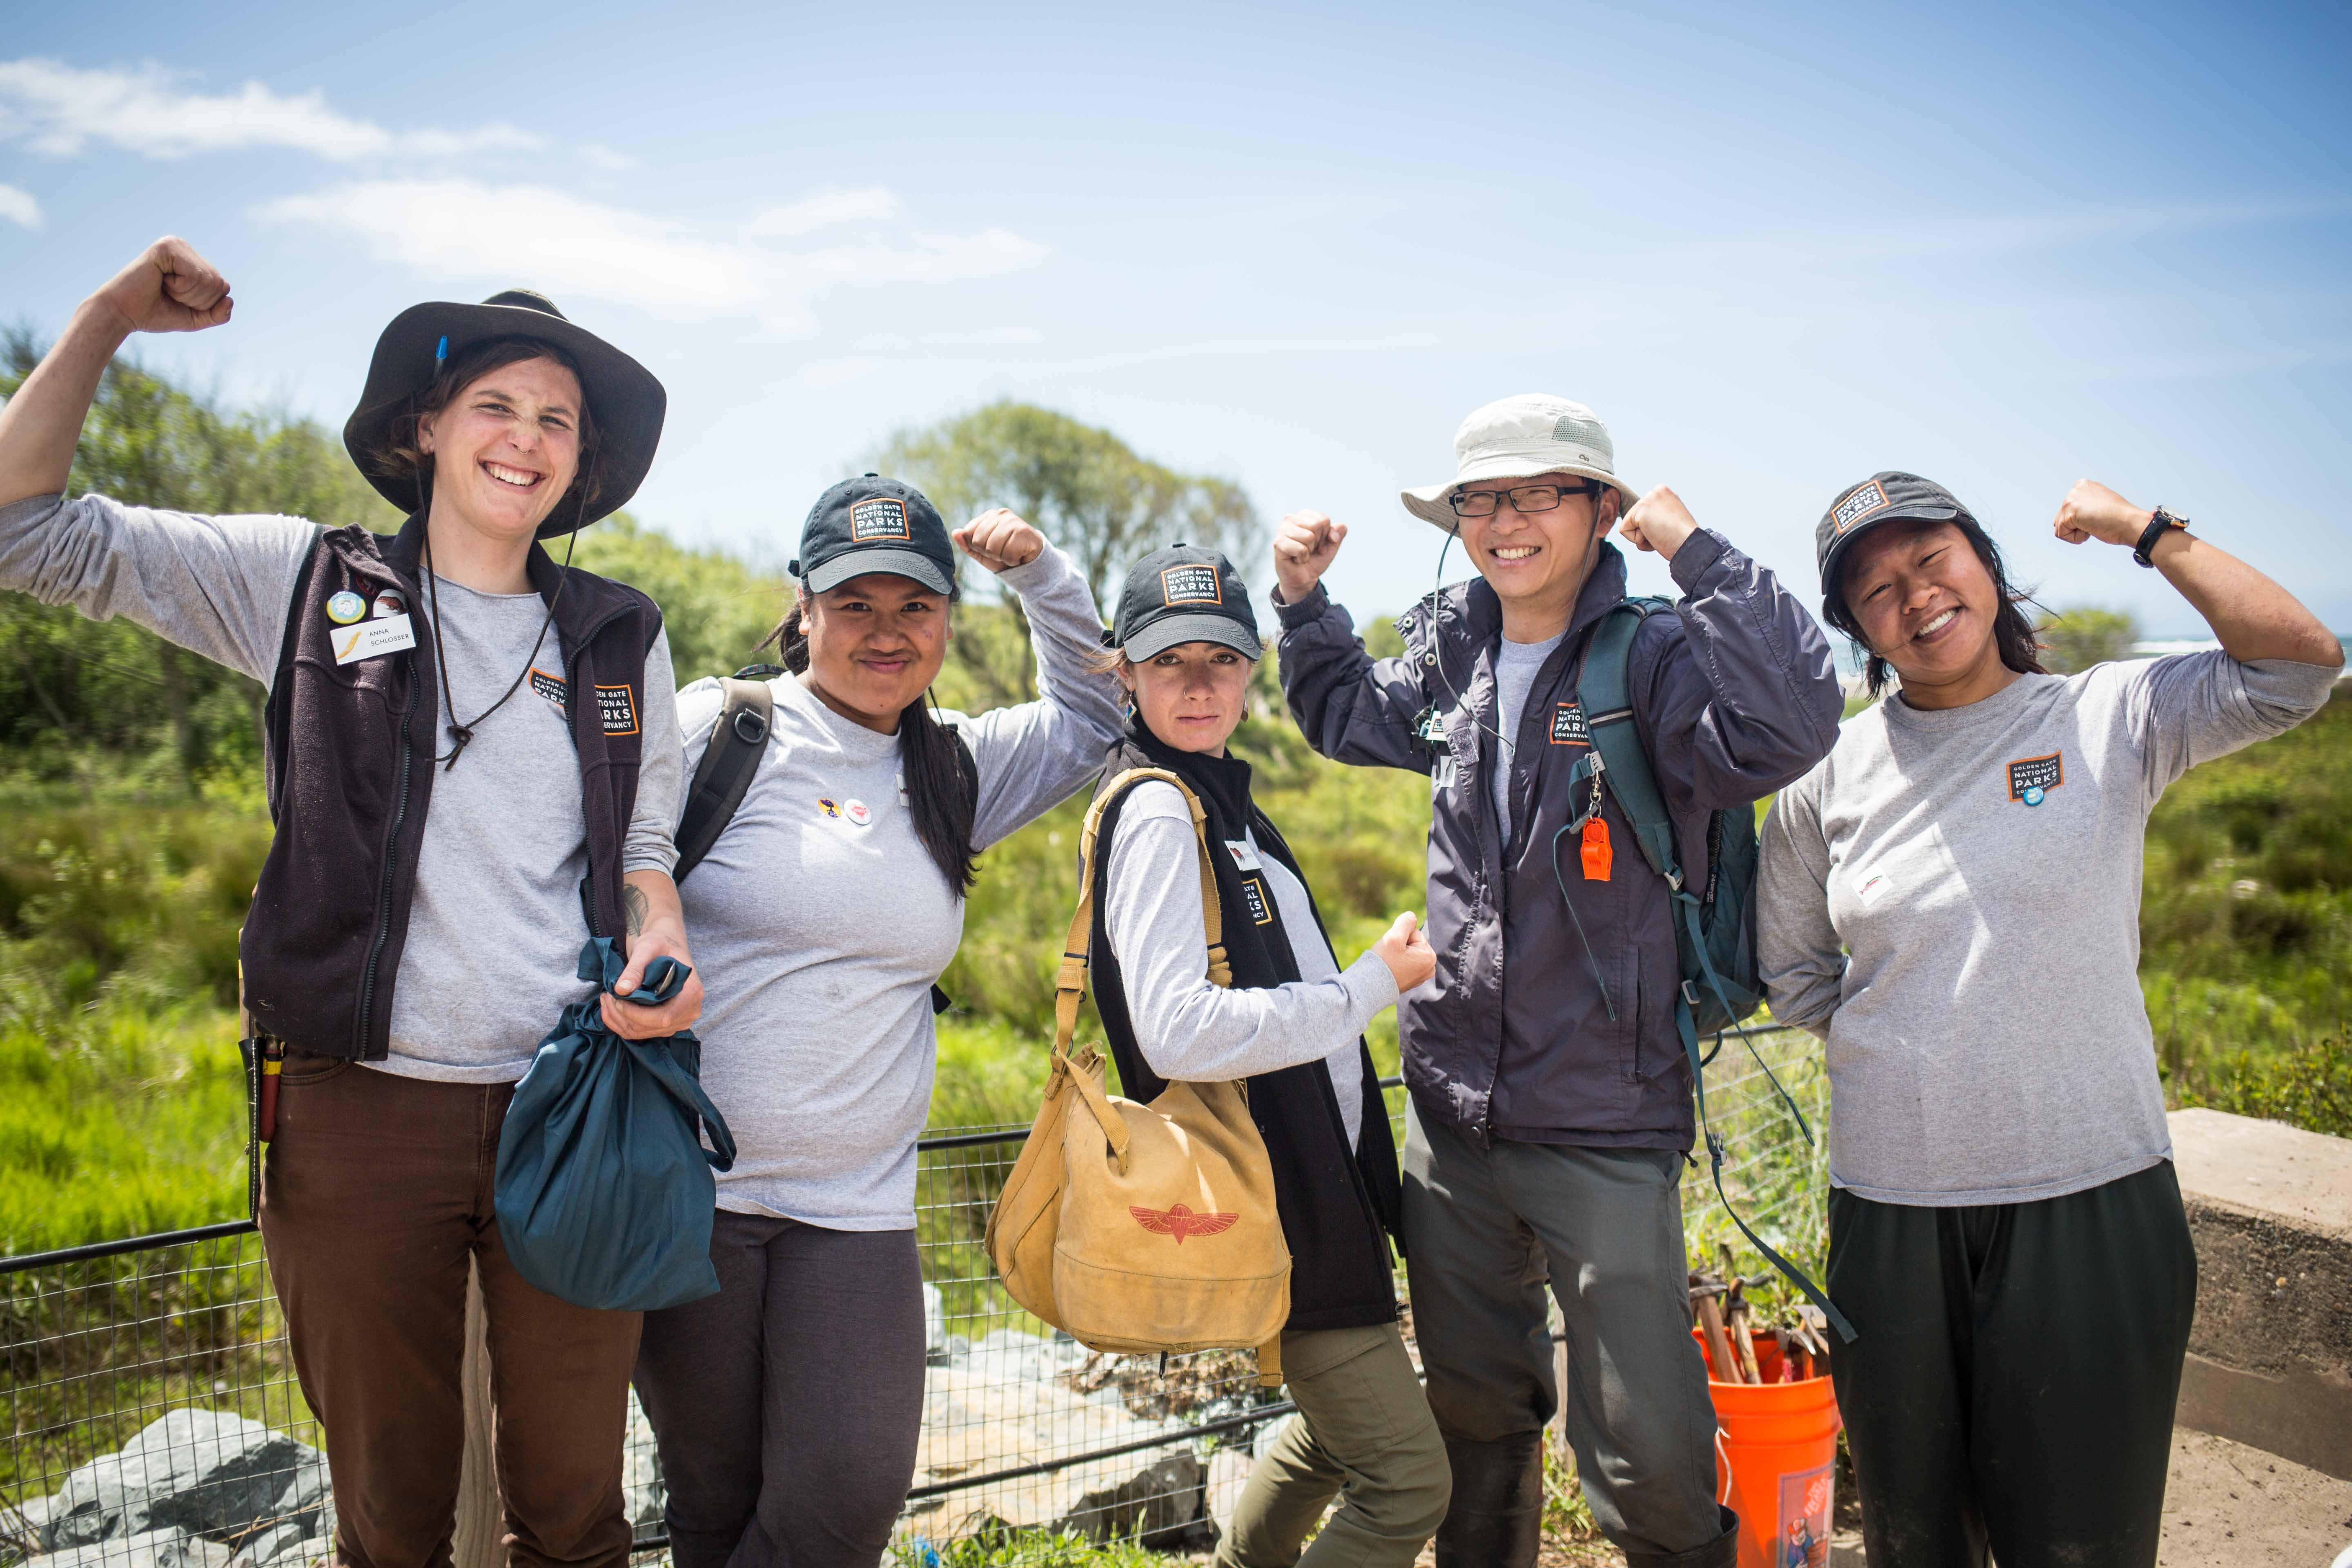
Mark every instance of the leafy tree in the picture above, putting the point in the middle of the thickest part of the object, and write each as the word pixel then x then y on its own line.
pixel 2074 639
pixel 1086 489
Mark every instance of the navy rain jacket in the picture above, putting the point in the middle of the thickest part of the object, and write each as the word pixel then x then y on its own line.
pixel 1734 694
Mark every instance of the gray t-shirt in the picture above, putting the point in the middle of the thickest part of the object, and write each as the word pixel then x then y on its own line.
pixel 495 931
pixel 1980 868
pixel 821 920
pixel 1517 665
pixel 1192 1031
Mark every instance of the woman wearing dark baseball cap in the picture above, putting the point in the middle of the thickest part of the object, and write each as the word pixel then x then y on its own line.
pixel 457 770
pixel 1951 899
pixel 1292 1025
pixel 789 1405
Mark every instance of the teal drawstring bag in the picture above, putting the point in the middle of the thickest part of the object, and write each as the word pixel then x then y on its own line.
pixel 604 1195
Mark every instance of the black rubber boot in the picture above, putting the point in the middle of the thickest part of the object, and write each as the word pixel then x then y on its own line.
pixel 1723 1551
pixel 1497 1517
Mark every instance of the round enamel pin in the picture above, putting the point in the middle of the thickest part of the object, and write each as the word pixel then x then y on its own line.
pixel 388 604
pixel 2032 796
pixel 825 804
pixel 855 811
pixel 345 607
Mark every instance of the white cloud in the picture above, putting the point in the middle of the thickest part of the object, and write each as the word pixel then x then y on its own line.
pixel 62 111
pixel 20 208
pixel 461 231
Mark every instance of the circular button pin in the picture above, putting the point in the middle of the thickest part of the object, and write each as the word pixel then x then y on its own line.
pixel 388 604
pixel 346 607
pixel 2032 796
pixel 855 811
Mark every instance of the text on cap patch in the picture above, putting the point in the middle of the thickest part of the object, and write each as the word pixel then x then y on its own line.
pixel 884 517
pixel 1189 584
pixel 1858 505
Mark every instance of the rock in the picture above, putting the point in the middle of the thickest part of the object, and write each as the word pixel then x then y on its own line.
pixel 284 1546
pixel 935 1327
pixel 144 1549
pixel 644 1496
pixel 198 1472
pixel 1163 1505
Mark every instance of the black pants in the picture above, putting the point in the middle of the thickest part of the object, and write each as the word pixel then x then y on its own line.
pixel 2014 1382
pixel 788 1406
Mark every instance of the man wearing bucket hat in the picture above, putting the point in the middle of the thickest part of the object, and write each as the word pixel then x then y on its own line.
pixel 462 793
pixel 1551 1105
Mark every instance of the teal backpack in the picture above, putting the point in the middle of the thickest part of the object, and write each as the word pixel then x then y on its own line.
pixel 1714 926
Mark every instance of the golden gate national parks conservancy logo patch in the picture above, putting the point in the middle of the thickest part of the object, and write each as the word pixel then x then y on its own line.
pixel 551 687
pixel 617 708
pixel 1193 585
pixel 1567 726
pixel 1859 504
pixel 885 517
pixel 2030 779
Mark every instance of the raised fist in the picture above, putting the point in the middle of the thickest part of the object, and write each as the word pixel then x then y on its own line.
pixel 170 289
pixel 1304 544
pixel 1659 522
pixel 1406 949
pixel 1000 540
pixel 2091 511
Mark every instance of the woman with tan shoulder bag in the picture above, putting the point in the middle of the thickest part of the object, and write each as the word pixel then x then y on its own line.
pixel 1290 1028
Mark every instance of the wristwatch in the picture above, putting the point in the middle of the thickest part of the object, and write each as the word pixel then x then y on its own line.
pixel 2162 520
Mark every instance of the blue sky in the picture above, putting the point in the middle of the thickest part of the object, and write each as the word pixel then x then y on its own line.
pixel 2002 247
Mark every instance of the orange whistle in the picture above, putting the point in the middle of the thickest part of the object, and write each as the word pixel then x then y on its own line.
pixel 1594 848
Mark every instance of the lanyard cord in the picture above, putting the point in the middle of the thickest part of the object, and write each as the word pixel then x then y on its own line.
pixel 464 733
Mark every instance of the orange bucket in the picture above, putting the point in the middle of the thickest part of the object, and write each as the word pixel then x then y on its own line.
pixel 1776 1462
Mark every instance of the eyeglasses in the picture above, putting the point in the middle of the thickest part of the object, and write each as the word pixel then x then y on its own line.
pixel 1527 498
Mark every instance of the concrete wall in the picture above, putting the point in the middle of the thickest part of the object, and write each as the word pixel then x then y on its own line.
pixel 2270 1359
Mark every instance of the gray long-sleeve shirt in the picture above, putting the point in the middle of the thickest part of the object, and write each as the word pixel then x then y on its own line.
pixel 820 920
pixel 1192 1031
pixel 1986 1040
pixel 495 931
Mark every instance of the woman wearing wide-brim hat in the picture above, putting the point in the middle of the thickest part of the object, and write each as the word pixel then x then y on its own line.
pixel 463 793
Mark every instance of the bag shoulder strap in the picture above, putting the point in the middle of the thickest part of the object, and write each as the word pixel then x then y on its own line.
pixel 1604 691
pixel 1070 983
pixel 725 771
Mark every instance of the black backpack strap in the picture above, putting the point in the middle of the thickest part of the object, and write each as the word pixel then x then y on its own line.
pixel 737 742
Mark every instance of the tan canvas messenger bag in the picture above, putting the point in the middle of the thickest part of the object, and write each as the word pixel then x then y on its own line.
pixel 1143 1227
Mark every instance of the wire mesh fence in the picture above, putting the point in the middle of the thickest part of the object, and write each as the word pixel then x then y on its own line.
pixel 153 1419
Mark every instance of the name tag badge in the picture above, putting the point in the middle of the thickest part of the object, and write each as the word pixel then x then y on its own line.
pixel 1244 858
pixel 366 639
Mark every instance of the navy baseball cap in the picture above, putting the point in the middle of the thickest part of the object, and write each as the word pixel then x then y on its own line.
pixel 873 524
pixel 1186 592
pixel 1890 495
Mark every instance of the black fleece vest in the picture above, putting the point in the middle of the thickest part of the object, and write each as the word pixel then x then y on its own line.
pixel 1335 1203
pixel 350 756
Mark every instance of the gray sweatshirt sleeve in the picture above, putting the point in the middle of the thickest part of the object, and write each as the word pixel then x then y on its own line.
pixel 661 771
pixel 2194 706
pixel 1033 756
pixel 219 587
pixel 1797 948
pixel 1188 1029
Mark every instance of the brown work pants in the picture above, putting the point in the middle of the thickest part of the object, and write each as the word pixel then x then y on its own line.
pixel 376 1193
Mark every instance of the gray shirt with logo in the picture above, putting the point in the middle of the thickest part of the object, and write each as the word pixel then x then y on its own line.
pixel 821 920
pixel 1517 665
pixel 495 932
pixel 1951 900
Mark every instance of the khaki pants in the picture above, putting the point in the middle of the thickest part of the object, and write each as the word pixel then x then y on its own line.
pixel 377 1192
pixel 1364 1434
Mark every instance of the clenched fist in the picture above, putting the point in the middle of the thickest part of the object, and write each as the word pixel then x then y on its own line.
pixel 1659 522
pixel 170 289
pixel 1304 544
pixel 2091 511
pixel 1405 949
pixel 1000 540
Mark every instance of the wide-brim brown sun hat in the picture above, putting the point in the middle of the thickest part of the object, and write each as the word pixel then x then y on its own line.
pixel 1518 437
pixel 625 401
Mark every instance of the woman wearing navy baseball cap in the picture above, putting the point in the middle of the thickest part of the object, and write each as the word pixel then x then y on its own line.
pixel 825 905
pixel 1951 900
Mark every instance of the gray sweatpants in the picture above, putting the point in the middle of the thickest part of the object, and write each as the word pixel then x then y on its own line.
pixel 1483 1230
pixel 788 1406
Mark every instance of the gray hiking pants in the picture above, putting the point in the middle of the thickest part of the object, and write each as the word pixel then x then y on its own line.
pixel 1485 1229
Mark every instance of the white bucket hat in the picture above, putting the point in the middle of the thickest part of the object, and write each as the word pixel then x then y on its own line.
pixel 1517 439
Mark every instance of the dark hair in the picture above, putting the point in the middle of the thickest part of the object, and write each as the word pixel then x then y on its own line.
pixel 401 453
pixel 2012 633
pixel 941 792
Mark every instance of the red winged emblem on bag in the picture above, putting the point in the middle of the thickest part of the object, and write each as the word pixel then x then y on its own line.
pixel 1180 1222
